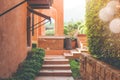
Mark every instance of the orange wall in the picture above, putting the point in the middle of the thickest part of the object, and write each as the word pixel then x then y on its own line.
pixel 56 12
pixel 37 31
pixel 58 5
pixel 51 43
pixel 13 45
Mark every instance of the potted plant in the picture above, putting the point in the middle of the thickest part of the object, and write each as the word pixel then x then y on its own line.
pixel 73 42
pixel 71 31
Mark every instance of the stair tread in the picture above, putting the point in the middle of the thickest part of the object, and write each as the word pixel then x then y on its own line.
pixel 54 78
pixel 56 59
pixel 54 71
pixel 74 51
pixel 84 49
pixel 55 65
pixel 68 54
pixel 54 56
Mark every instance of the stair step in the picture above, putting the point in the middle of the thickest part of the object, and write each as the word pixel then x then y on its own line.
pixel 53 72
pixel 56 66
pixel 84 50
pixel 78 49
pixel 56 62
pixel 54 78
pixel 74 52
pixel 68 55
pixel 54 57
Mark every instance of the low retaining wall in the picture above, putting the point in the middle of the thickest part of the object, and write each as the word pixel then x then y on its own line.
pixel 51 43
pixel 92 69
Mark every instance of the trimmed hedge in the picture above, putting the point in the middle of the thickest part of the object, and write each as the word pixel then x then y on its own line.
pixel 31 66
pixel 103 44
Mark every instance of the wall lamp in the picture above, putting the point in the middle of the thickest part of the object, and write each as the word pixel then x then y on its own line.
pixel 108 15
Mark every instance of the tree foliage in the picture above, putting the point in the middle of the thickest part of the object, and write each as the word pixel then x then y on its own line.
pixel 102 42
pixel 73 28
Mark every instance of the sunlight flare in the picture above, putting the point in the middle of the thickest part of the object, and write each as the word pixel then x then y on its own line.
pixel 106 14
pixel 115 25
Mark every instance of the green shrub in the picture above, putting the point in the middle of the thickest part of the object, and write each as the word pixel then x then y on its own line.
pixel 30 67
pixel 103 44
pixel 31 64
pixel 65 30
pixel 75 67
pixel 50 32
pixel 39 51
pixel 13 78
pixel 34 45
pixel 112 61
pixel 27 70
pixel 73 27
pixel 26 76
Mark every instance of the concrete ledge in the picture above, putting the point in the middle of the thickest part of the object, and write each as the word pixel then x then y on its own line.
pixel 52 37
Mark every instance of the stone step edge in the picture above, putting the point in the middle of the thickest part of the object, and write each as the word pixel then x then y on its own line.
pixel 56 65
pixel 55 71
pixel 59 60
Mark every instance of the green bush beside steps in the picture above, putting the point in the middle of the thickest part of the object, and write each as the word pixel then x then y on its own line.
pixel 103 44
pixel 30 67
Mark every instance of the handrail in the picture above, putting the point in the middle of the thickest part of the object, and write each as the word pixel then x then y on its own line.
pixel 5 12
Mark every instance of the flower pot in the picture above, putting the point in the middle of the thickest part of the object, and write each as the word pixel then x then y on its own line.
pixel 67 44
pixel 73 44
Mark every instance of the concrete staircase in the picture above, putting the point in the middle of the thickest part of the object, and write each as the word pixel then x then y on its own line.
pixel 75 53
pixel 55 67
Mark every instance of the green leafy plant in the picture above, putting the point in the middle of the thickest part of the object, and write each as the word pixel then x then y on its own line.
pixel 103 44
pixel 49 32
pixel 30 67
pixel 75 67
pixel 73 28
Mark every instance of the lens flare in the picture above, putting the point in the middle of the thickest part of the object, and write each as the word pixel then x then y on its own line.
pixel 115 25
pixel 106 14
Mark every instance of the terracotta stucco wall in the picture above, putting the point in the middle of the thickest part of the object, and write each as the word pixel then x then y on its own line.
pixel 51 43
pixel 58 5
pixel 56 12
pixel 13 45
